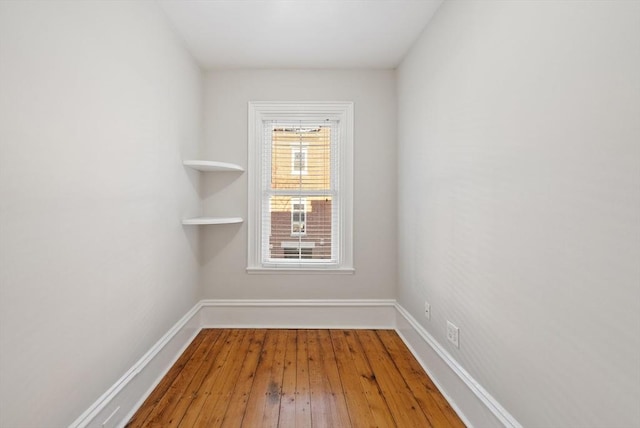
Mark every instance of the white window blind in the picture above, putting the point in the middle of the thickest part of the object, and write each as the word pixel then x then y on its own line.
pixel 300 187
pixel 300 182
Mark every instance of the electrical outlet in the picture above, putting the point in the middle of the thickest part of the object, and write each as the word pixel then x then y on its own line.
pixel 427 310
pixel 453 334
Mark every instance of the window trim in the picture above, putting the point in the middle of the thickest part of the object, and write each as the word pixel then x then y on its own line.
pixel 258 112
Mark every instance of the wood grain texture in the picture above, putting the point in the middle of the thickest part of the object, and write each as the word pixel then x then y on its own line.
pixel 296 378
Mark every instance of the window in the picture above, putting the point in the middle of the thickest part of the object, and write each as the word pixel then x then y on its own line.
pixel 299 160
pixel 300 187
pixel 298 216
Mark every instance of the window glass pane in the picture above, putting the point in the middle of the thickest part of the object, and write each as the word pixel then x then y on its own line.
pixel 293 229
pixel 301 157
pixel 301 194
pixel 299 160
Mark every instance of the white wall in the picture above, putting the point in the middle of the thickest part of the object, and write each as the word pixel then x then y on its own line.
pixel 224 248
pixel 519 178
pixel 98 105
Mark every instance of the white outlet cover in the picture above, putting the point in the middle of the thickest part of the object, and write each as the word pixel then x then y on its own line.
pixel 427 310
pixel 453 334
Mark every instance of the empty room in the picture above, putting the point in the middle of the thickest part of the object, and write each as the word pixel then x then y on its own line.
pixel 320 213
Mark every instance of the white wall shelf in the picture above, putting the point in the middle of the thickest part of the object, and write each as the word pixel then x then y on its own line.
pixel 211 220
pixel 212 166
pixel 206 166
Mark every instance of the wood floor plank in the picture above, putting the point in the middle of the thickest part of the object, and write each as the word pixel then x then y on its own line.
pixel 296 378
pixel 318 390
pixel 328 405
pixel 161 389
pixel 240 396
pixel 403 406
pixel 160 414
pixel 271 412
pixel 359 412
pixel 433 404
pixel 303 397
pixel 265 391
pixel 216 403
pixel 373 395
pixel 339 409
pixel 287 416
pixel 211 359
pixel 213 379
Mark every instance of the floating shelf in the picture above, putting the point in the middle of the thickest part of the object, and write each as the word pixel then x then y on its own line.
pixel 212 166
pixel 212 220
pixel 203 165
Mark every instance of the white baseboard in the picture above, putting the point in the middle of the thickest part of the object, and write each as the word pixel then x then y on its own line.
pixel 116 406
pixel 298 313
pixel 472 402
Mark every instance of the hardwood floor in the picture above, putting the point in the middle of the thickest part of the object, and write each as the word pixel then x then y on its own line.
pixel 296 378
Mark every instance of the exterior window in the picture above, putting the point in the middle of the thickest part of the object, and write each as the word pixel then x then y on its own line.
pixel 299 160
pixel 298 217
pixel 300 187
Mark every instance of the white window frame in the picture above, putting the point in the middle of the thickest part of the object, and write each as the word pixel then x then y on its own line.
pixel 340 111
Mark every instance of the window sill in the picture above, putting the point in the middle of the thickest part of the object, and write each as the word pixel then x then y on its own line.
pixel 299 271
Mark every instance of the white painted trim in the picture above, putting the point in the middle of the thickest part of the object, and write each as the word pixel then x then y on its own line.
pixel 128 393
pixel 258 112
pixel 301 271
pixel 309 303
pixel 298 313
pixel 470 400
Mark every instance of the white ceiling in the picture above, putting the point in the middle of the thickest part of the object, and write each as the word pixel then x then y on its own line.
pixel 299 33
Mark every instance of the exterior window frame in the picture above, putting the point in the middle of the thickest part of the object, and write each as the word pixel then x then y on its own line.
pixel 258 113
pixel 304 160
pixel 302 216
